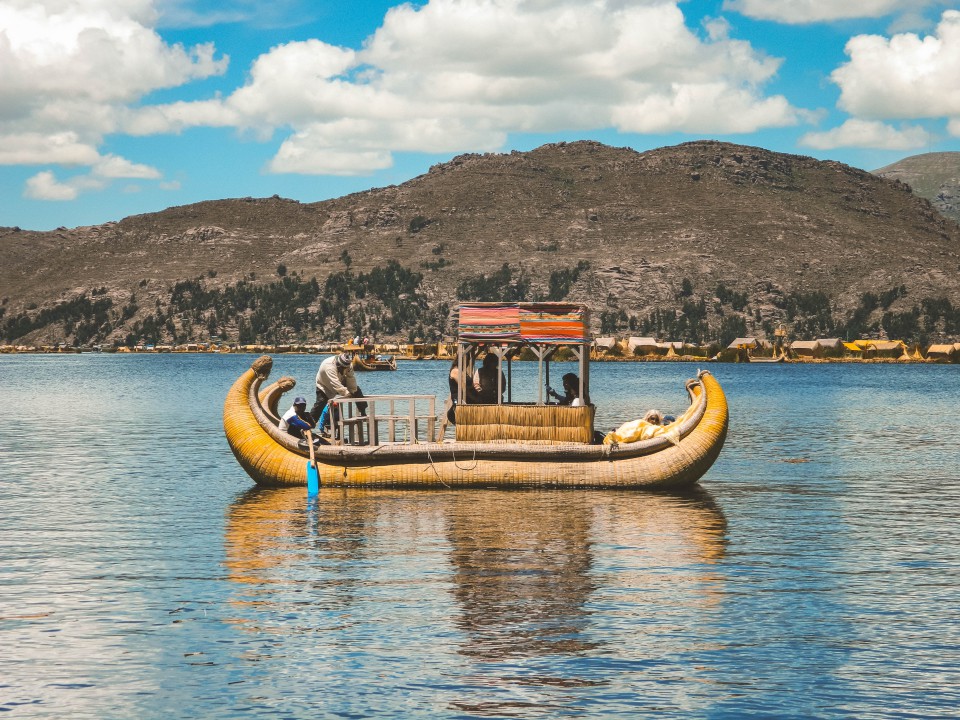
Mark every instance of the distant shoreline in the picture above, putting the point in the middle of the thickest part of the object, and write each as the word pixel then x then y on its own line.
pixel 409 358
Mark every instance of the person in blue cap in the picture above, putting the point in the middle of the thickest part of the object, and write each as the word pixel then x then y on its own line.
pixel 297 420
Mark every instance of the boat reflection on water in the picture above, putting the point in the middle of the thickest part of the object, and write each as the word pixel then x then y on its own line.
pixel 517 578
pixel 531 567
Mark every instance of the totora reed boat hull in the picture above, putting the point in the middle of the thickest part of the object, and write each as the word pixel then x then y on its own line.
pixel 273 458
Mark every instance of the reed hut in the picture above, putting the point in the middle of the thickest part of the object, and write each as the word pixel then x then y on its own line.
pixel 942 352
pixel 671 348
pixel 853 350
pixel 831 347
pixel 891 349
pixel 604 346
pixel 643 346
pixel 744 343
pixel 806 349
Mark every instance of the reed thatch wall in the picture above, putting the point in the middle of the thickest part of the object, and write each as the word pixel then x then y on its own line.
pixel 525 423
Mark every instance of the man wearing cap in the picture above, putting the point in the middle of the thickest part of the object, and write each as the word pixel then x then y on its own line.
pixel 336 379
pixel 297 420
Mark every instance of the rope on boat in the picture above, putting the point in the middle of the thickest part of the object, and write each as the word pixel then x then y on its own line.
pixel 607 450
pixel 457 465
pixel 437 472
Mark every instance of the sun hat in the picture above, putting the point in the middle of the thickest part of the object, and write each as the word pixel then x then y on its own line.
pixel 299 400
pixel 344 360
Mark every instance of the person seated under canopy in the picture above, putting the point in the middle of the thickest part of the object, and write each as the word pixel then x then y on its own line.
pixel 571 391
pixel 485 382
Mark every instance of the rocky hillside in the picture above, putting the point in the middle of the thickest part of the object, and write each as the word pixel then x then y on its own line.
pixel 701 241
pixel 934 176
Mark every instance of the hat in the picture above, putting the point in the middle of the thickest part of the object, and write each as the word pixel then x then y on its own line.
pixel 299 400
pixel 344 360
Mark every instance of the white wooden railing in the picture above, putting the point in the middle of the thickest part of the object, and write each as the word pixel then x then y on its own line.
pixel 390 420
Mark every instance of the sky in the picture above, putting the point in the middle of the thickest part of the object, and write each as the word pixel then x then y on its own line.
pixel 110 108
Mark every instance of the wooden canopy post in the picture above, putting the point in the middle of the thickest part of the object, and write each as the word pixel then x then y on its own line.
pixel 511 351
pixel 498 351
pixel 543 353
pixel 466 358
pixel 583 355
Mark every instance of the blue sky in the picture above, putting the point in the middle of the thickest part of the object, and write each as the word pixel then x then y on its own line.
pixel 110 108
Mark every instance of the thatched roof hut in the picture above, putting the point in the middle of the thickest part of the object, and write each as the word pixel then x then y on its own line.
pixel 643 346
pixel 744 343
pixel 806 348
pixel 941 351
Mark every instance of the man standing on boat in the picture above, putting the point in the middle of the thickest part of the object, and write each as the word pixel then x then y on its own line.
pixel 336 379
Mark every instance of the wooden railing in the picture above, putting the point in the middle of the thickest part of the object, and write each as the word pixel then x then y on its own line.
pixel 389 420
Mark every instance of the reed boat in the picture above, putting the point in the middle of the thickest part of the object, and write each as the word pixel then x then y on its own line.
pixel 369 363
pixel 502 444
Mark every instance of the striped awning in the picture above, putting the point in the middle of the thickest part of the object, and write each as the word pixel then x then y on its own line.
pixel 554 323
pixel 549 323
pixel 490 321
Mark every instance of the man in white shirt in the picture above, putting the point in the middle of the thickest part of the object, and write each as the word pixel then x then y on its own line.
pixel 296 421
pixel 335 379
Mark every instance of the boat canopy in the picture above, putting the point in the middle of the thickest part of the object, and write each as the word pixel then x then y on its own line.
pixel 506 328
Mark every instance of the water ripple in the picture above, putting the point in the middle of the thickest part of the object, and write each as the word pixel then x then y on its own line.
pixel 811 577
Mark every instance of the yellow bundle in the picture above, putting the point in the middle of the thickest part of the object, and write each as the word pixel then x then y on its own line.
pixel 634 431
pixel 637 430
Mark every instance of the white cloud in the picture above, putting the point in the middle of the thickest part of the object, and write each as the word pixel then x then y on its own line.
pixel 297 82
pixel 31 148
pixel 45 186
pixel 905 76
pixel 177 116
pixel 448 75
pixel 299 154
pixel 463 74
pixel 256 13
pixel 868 134
pixel 68 67
pixel 953 127
pixel 809 11
pixel 114 166
pixel 319 148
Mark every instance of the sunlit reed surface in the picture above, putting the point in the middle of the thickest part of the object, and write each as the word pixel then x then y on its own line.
pixel 812 573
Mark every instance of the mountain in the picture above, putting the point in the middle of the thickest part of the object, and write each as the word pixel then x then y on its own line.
pixel 699 241
pixel 934 176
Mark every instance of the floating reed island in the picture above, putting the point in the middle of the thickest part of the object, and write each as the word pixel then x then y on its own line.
pixel 403 440
pixel 384 356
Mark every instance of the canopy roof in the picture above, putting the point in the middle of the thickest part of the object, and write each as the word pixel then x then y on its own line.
pixel 545 323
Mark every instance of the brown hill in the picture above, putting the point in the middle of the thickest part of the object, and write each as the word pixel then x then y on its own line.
pixel 699 239
pixel 934 176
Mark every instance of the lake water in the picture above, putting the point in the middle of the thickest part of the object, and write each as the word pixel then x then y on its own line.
pixel 813 574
